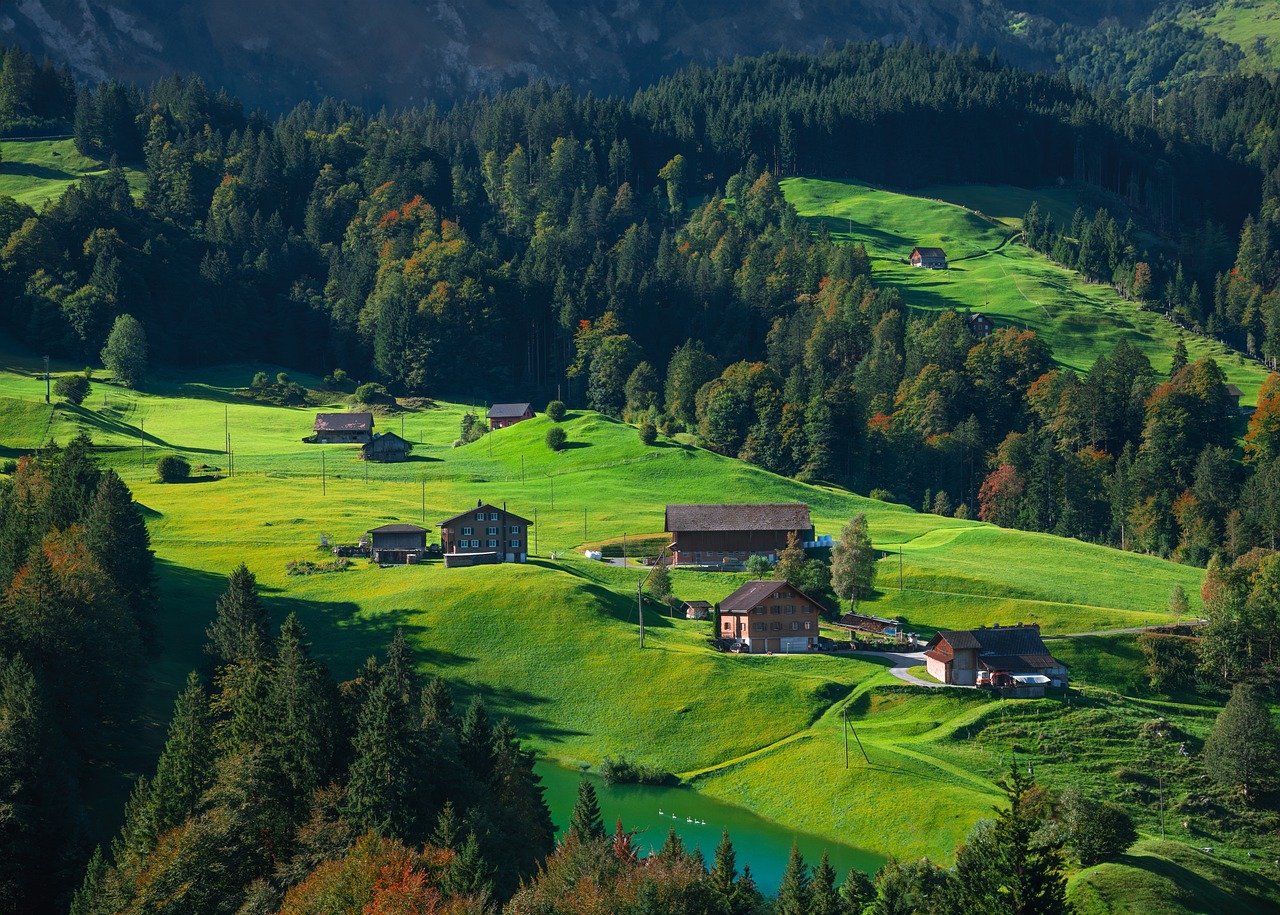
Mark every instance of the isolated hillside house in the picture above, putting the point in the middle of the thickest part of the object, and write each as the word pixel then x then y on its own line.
pixel 929 258
pixel 502 415
pixel 980 325
pixel 386 447
pixel 1233 397
pixel 397 543
pixel 484 534
pixel 728 535
pixel 343 428
pixel 769 616
pixel 696 609
pixel 1011 657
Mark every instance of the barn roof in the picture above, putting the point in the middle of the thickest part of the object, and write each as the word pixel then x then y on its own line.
pixel 1000 647
pixel 929 252
pixel 485 507
pixel 1232 390
pixel 344 422
pixel 390 437
pixel 698 603
pixel 398 529
pixel 777 516
pixel 508 410
pixel 753 592
pixel 865 623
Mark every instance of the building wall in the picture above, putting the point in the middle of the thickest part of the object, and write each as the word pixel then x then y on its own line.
pixel 937 669
pixel 712 546
pixel 963 668
pixel 470 534
pixel 407 541
pixel 508 421
pixel 783 623
pixel 342 438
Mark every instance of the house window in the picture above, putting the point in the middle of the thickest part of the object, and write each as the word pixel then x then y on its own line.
pixel 514 529
pixel 806 609
pixel 757 609
pixel 493 516
pixel 479 516
pixel 467 531
pixel 775 626
pixel 492 532
pixel 475 544
pixel 775 610
pixel 515 544
pixel 795 624
pixel 493 544
pixel 728 624
pixel 791 609
pixel 808 624
pixel 760 627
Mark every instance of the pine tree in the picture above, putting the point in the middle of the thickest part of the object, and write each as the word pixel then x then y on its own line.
pixel 824 900
pixel 1179 358
pixel 239 629
pixel 382 781
pixel 856 893
pixel 794 893
pixel 475 741
pixel 469 874
pixel 585 822
pixel 90 898
pixel 114 531
pixel 185 769
pixel 437 705
pixel 1242 752
pixel 724 870
pixel 300 716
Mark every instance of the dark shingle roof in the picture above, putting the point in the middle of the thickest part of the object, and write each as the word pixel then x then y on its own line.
pixel 508 410
pixel 399 529
pixel 1232 390
pixel 930 252
pixel 753 592
pixel 697 603
pixel 785 516
pixel 485 507
pixel 344 422
pixel 1004 647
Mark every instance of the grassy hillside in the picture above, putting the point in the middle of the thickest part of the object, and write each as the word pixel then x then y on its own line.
pixel 1252 25
pixel 993 273
pixel 36 171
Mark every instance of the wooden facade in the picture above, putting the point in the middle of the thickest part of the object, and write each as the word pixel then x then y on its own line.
pixel 386 447
pixel 771 617
pixel 502 415
pixel 485 529
pixel 397 543
pixel 986 656
pixel 714 535
pixel 929 258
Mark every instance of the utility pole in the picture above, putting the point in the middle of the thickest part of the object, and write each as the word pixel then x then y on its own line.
pixel 899 569
pixel 640 608
pixel 535 532
pixel 624 551
pixel 142 439
pixel 521 468
pixel 322 480
pixel 423 518
pixel 226 434
pixel 46 379
pixel 584 525
pixel 844 713
pixel 553 491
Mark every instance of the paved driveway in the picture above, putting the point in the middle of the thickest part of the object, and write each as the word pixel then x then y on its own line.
pixel 901 662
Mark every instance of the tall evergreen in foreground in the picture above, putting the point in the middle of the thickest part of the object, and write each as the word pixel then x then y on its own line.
pixel 239 628
pixel 1242 754
pixel 585 822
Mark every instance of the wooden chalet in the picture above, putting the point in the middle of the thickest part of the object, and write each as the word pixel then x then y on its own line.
pixel 929 258
pixel 397 543
pixel 729 534
pixel 386 447
pixel 343 429
pixel 502 415
pixel 1000 656
pixel 979 324
pixel 484 534
pixel 697 610
pixel 769 617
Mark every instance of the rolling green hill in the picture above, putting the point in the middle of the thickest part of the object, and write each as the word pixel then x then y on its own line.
pixel 37 171
pixel 1251 25
pixel 519 634
pixel 990 271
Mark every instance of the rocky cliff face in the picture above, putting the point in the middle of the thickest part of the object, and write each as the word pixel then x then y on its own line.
pixel 396 52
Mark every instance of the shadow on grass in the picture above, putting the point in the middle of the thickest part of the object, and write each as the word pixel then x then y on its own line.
pixel 568 445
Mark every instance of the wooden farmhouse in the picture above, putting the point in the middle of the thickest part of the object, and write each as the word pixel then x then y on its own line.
pixel 929 258
pixel 696 610
pixel 397 543
pixel 484 534
pixel 1013 657
pixel 981 325
pixel 386 447
pixel 769 616
pixel 502 415
pixel 343 428
pixel 729 534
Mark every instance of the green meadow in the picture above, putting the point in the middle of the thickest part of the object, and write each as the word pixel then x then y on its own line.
pixel 555 643
pixel 36 172
pixel 992 272
pixel 1251 25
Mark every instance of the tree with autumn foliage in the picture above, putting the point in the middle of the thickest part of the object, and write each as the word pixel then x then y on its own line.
pixel 1262 441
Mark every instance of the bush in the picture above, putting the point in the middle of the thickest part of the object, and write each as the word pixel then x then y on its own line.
pixel 881 495
pixel 759 567
pixel 338 379
pixel 1243 751
pixel 472 427
pixel 372 392
pixel 623 771
pixel 1171 661
pixel 282 379
pixel 72 388
pixel 1096 831
pixel 556 438
pixel 260 380
pixel 555 411
pixel 172 469
pixel 10 466
pixel 648 432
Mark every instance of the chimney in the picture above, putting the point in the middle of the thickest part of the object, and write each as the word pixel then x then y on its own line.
pixel 479 502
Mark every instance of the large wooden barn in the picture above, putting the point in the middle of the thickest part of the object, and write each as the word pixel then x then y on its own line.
pixel 718 535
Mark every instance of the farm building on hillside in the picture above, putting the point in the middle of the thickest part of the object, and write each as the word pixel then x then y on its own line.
pixel 929 258
pixel 981 325
pixel 1233 397
pixel 696 610
pixel 343 428
pixel 720 535
pixel 869 625
pixel 386 447
pixel 1013 657
pixel 769 616
pixel 397 543
pixel 502 415
pixel 484 534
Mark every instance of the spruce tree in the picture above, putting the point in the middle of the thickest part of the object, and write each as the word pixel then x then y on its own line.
pixel 300 734
pixel 382 781
pixel 475 741
pixel 114 531
pixel 1242 752
pixel 91 897
pixel 746 895
pixel 469 874
pixel 239 630
pixel 824 900
pixel 585 822
pixel 794 893
pixel 856 893
pixel 446 833
pixel 437 705
pixel 724 870
pixel 185 769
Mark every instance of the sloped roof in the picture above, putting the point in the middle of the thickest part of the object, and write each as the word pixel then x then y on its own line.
pixel 508 410
pixel 389 437
pixel 1232 390
pixel 865 623
pixel 698 603
pixel 1000 647
pixel 399 529
pixel 929 252
pixel 753 592
pixel 485 507
pixel 764 516
pixel 343 422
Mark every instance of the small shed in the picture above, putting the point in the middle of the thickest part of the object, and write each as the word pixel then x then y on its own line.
pixel 870 625
pixel 697 610
pixel 398 543
pixel 343 428
pixel 929 258
pixel 386 447
pixel 1233 397
pixel 502 415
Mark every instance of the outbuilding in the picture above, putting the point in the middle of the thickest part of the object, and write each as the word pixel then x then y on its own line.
pixel 502 415
pixel 343 428
pixel 727 535
pixel 998 656
pixel 386 447
pixel 697 610
pixel 397 543
pixel 929 258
